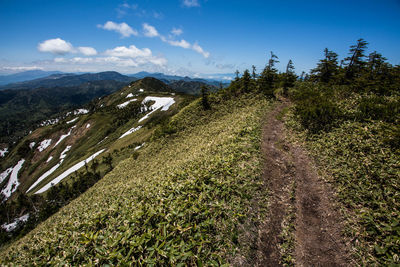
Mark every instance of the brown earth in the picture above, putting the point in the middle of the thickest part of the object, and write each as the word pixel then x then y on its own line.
pixel 318 228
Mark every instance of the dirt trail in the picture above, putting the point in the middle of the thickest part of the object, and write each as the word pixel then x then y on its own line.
pixel 318 240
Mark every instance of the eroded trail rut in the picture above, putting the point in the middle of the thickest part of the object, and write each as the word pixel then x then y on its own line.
pixel 317 230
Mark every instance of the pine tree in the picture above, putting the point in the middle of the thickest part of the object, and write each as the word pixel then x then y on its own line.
pixel 246 81
pixel 327 68
pixel 355 62
pixel 204 97
pixel 268 77
pixel 254 74
pixel 289 77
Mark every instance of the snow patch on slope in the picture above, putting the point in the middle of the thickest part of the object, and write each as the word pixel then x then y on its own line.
pixel 5 174
pixel 62 137
pixel 13 182
pixel 53 169
pixel 160 102
pixel 68 172
pixel 120 106
pixel 129 95
pixel 44 144
pixel 3 152
pixel 11 226
pixel 132 130
pixel 73 120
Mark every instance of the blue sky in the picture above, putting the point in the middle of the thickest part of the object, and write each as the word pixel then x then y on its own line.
pixel 189 37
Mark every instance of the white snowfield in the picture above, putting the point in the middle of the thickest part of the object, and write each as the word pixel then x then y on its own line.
pixel 13 182
pixel 141 90
pixel 88 125
pixel 139 147
pixel 44 144
pixel 62 137
pixel 49 159
pixel 132 130
pixel 32 144
pixel 68 172
pixel 81 111
pixel 73 120
pixel 160 102
pixel 129 95
pixel 53 169
pixel 5 174
pixel 120 106
pixel 49 122
pixel 3 152
pixel 11 226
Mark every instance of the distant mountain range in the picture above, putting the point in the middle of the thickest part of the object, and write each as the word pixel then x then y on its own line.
pixel 36 79
pixel 25 76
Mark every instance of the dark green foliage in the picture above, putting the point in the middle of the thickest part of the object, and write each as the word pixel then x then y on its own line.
pixel 268 77
pixel 355 62
pixel 289 78
pixel 107 160
pixel 204 98
pixel 246 81
pixel 327 68
pixel 316 112
pixel 378 108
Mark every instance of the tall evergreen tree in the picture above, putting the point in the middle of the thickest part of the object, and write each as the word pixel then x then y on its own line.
pixel 327 68
pixel 246 81
pixel 204 97
pixel 355 61
pixel 254 74
pixel 289 77
pixel 268 76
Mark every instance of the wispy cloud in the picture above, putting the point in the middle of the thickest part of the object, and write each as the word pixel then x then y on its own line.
pixel 149 30
pixel 126 9
pixel 182 43
pixel 122 28
pixel 176 31
pixel 191 3
pixel 196 47
pixel 56 46
pixel 22 68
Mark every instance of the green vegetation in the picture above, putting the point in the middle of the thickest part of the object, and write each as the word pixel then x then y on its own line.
pixel 186 195
pixel 180 201
pixel 349 118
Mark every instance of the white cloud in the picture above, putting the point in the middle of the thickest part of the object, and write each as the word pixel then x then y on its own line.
pixel 56 46
pixel 182 43
pixel 191 3
pixel 131 51
pixel 149 30
pixel 22 68
pixel 200 50
pixel 87 51
pixel 122 28
pixel 176 31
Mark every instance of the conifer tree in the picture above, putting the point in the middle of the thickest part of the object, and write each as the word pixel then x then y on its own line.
pixel 327 68
pixel 204 97
pixel 355 62
pixel 269 76
pixel 289 77
pixel 246 81
pixel 254 74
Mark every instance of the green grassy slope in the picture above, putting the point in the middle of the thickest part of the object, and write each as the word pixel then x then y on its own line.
pixel 180 200
pixel 359 156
